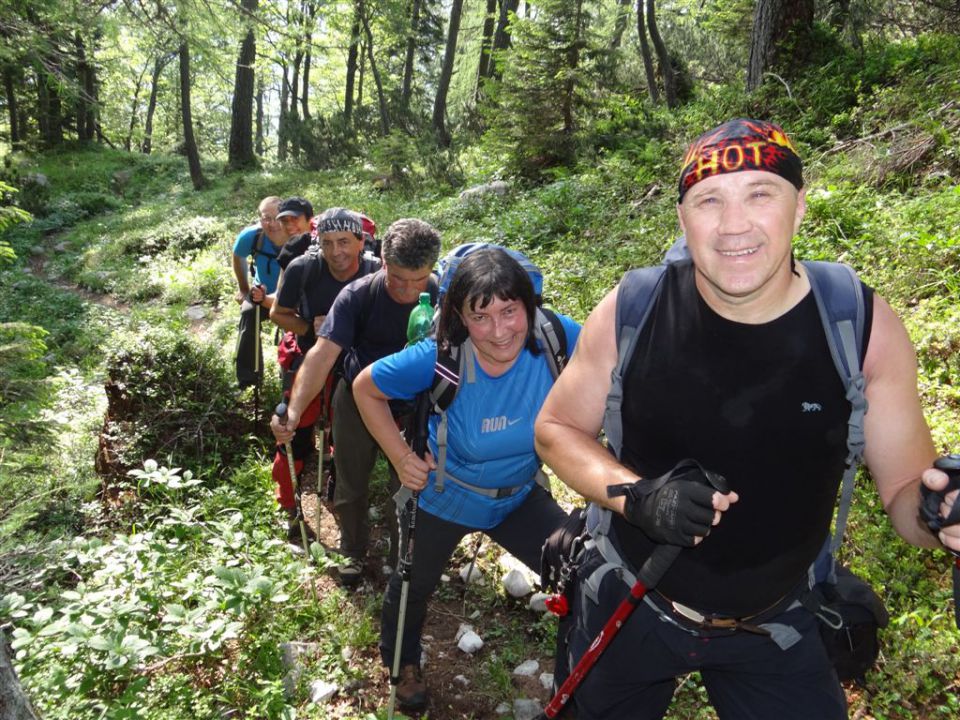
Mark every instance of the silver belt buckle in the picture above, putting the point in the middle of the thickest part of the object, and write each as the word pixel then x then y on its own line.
pixel 688 612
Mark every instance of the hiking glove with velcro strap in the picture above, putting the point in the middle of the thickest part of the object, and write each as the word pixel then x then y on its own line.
pixel 676 507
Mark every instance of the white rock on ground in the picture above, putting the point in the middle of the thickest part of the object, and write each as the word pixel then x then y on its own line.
pixel 525 709
pixel 475 573
pixel 461 680
pixel 508 562
pixel 526 668
pixel 502 709
pixel 516 584
pixel 195 313
pixel 538 602
pixel 467 640
pixel 546 679
pixel 321 691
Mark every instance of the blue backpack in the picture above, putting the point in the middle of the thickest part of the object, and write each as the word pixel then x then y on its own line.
pixel 452 367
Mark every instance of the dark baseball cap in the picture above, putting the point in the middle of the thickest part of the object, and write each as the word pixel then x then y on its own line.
pixel 295 206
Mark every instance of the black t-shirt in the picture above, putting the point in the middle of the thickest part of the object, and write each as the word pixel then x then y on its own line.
pixel 764 406
pixel 319 289
pixel 292 249
pixel 367 323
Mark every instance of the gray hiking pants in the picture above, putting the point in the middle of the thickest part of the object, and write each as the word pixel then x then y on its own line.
pixel 354 455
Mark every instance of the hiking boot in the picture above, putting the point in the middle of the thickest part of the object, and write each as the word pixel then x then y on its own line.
pixel 350 572
pixel 411 690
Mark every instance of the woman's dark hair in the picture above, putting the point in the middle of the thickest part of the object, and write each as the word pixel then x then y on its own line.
pixel 481 276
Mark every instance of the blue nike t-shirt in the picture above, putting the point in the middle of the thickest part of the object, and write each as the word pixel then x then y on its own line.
pixel 489 429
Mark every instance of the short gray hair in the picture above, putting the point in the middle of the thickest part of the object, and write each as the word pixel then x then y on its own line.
pixel 411 243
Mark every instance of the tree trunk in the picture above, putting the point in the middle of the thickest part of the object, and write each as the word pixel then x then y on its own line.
pixel 283 127
pixel 446 73
pixel 652 88
pixel 12 107
pixel 362 73
pixel 259 130
pixel 240 150
pixel 352 58
pixel 310 14
pixel 49 117
pixel 83 135
pixel 293 114
pixel 486 47
pixel 407 87
pixel 773 21
pixel 189 141
pixel 158 64
pixel 128 141
pixel 14 704
pixel 620 26
pixel 573 62
pixel 381 98
pixel 93 101
pixel 663 57
pixel 501 37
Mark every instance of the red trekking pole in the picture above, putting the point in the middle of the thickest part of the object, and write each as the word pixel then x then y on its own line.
pixel 650 574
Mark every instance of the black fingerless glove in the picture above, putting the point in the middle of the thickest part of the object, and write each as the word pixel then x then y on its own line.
pixel 674 508
pixel 930 500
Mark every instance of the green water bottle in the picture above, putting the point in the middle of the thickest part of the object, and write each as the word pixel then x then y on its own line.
pixel 421 317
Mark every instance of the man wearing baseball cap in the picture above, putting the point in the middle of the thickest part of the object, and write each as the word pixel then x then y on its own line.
pixel 731 369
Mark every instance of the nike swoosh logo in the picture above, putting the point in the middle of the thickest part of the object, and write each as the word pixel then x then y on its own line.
pixel 514 421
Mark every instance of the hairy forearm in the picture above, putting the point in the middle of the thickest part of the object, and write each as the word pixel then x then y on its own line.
pixel 581 462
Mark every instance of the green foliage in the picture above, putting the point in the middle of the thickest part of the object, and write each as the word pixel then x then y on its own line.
pixel 169 396
pixel 145 620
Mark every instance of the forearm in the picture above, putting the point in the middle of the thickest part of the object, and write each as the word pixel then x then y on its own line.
pixel 312 375
pixel 288 319
pixel 904 512
pixel 240 272
pixel 581 462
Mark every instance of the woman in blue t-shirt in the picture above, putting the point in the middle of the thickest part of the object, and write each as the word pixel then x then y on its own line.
pixel 491 468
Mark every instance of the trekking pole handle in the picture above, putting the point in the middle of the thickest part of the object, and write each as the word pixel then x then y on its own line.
pixel 930 499
pixel 281 413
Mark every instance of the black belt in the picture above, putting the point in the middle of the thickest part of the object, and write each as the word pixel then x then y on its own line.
pixel 690 618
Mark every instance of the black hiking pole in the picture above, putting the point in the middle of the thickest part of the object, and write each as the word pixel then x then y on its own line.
pixel 321 451
pixel 257 351
pixel 281 412
pixel 419 446
pixel 930 510
pixel 650 574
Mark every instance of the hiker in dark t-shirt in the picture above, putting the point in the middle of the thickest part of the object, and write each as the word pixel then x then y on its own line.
pixel 310 284
pixel 367 321
pixel 731 369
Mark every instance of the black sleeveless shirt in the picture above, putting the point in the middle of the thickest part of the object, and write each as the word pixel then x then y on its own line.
pixel 762 405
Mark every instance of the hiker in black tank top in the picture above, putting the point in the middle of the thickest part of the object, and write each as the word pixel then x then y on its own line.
pixel 702 385
pixel 731 369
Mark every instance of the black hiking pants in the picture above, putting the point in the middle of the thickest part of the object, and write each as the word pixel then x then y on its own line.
pixel 522 534
pixel 247 343
pixel 747 676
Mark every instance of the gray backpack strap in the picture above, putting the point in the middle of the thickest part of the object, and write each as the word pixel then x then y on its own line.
pixel 636 294
pixel 467 357
pixel 552 339
pixel 839 297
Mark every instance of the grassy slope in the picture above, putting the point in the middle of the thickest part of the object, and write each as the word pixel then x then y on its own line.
pixel 159 247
